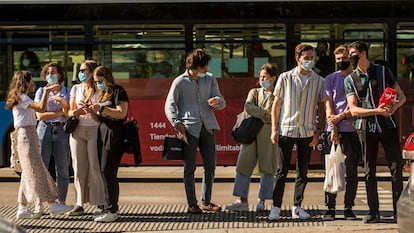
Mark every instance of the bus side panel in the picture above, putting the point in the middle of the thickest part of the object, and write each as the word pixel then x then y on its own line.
pixel 5 123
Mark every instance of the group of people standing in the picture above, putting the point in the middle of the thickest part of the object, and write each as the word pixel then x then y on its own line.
pixel 297 107
pixel 95 145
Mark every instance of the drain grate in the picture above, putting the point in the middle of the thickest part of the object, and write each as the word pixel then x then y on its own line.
pixel 160 218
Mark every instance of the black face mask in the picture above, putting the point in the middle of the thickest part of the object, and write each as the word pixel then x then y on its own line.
pixel 343 65
pixel 354 60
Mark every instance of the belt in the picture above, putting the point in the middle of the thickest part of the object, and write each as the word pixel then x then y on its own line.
pixel 57 123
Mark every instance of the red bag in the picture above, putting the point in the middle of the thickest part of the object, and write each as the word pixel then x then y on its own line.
pixel 388 97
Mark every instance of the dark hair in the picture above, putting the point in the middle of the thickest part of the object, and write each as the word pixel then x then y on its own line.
pixel 360 46
pixel 59 69
pixel 269 68
pixel 33 58
pixel 197 58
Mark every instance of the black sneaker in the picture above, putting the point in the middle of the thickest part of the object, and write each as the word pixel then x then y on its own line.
pixel 372 218
pixel 349 215
pixel 329 215
pixel 77 211
pixel 194 209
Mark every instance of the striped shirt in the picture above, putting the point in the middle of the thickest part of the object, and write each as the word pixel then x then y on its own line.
pixel 299 106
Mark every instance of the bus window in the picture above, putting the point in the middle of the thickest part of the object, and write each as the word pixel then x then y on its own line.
pixel 242 48
pixel 140 51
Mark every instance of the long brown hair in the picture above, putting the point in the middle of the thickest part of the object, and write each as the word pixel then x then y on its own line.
pixel 18 85
pixel 105 72
pixel 91 89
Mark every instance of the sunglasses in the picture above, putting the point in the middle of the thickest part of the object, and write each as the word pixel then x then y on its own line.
pixel 82 70
pixel 98 81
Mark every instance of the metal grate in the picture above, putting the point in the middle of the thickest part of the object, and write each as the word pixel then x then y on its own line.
pixel 160 218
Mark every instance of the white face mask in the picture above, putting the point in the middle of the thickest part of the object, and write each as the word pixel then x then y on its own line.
pixel 26 62
pixel 201 75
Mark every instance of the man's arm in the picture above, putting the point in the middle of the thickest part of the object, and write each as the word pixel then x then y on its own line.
pixel 277 104
pixel 400 97
pixel 364 112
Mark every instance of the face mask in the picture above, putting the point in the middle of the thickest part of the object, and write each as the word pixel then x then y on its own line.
pixel 201 75
pixel 343 65
pixel 51 78
pixel 265 84
pixel 101 86
pixel 354 60
pixel 82 76
pixel 26 62
pixel 308 65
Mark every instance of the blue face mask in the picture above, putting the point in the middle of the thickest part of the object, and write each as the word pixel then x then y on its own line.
pixel 265 84
pixel 101 86
pixel 82 76
pixel 308 65
pixel 51 78
pixel 201 75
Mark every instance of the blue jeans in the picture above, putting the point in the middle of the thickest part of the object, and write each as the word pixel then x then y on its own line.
pixel 207 145
pixel 242 184
pixel 55 142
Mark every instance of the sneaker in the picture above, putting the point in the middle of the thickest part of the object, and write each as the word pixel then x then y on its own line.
pixel 349 215
pixel 372 217
pixel 194 209
pixel 298 212
pixel 329 215
pixel 38 211
pixel 106 217
pixel 260 206
pixel 274 213
pixel 58 208
pixel 24 213
pixel 77 211
pixel 98 210
pixel 211 207
pixel 238 206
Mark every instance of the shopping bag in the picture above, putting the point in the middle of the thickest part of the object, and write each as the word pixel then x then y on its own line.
pixel 173 149
pixel 334 170
pixel 246 128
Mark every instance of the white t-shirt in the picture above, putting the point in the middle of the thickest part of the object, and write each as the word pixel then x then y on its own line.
pixel 77 93
pixel 22 114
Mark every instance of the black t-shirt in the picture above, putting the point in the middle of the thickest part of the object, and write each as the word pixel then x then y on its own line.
pixel 118 96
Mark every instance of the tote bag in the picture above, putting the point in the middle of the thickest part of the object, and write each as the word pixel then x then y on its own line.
pixel 334 170
pixel 173 149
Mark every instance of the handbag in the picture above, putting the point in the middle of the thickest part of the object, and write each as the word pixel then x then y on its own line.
pixel 173 149
pixel 334 170
pixel 246 127
pixel 131 142
pixel 71 124
pixel 14 156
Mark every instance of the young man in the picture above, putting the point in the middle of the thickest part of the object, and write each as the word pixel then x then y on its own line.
pixel 364 87
pixel 297 105
pixel 190 105
pixel 340 130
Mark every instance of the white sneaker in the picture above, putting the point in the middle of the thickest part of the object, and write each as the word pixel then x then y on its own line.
pixel 106 217
pixel 38 211
pixel 260 206
pixel 58 208
pixel 298 212
pixel 274 213
pixel 238 206
pixel 23 213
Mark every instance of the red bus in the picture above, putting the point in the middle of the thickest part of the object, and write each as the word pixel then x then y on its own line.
pixel 145 44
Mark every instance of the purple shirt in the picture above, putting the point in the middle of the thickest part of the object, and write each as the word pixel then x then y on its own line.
pixel 334 87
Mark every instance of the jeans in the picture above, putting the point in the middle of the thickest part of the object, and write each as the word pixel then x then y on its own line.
pixel 207 145
pixel 55 142
pixel 242 184
pixel 352 149
pixel 390 142
pixel 283 163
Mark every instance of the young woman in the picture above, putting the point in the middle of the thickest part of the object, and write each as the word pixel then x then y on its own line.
pixel 88 182
pixel 111 111
pixel 36 184
pixel 261 151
